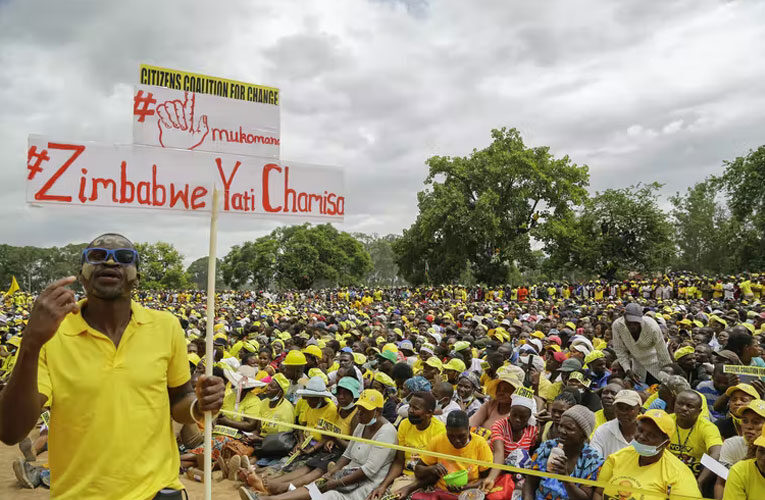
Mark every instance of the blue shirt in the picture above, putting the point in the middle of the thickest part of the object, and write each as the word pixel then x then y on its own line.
pixel 587 466
pixel 707 389
pixel 598 382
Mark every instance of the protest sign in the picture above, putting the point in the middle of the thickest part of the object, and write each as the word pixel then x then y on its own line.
pixel 181 119
pixel 758 371
pixel 133 176
pixel 204 84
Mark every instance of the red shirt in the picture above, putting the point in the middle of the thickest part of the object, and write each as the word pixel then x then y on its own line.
pixel 501 431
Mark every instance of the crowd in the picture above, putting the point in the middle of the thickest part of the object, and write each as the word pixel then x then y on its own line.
pixel 624 383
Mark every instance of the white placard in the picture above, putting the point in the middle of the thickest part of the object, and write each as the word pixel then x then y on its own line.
pixel 180 119
pixel 89 173
pixel 715 466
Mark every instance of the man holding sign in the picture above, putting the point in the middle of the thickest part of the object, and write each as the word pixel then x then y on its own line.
pixel 112 373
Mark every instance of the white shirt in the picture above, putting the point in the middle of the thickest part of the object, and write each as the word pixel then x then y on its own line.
pixel 608 438
pixel 647 354
pixel 453 405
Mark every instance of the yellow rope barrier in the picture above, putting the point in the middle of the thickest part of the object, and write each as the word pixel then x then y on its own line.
pixel 482 463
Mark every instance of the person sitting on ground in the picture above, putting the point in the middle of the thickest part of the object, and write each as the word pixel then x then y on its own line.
pixel 513 439
pixel 564 401
pixel 738 448
pixel 745 479
pixel 498 407
pixel 737 396
pixel 444 392
pixel 647 463
pixel 577 460
pixel 362 466
pixel 695 436
pixel 386 386
pixel 457 441
pixel 419 429
pixel 468 393
pixel 607 395
pixel 619 432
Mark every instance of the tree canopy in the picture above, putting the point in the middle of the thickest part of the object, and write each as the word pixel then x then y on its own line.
pixel 479 212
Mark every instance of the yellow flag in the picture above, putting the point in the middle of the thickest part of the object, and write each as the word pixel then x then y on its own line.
pixel 13 288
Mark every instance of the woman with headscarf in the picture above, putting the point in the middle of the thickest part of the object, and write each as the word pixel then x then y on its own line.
pixel 572 457
pixel 513 439
pixel 468 386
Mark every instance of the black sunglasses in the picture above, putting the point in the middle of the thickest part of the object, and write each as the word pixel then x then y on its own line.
pixel 124 256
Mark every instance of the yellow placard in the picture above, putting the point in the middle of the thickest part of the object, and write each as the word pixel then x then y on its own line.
pixel 758 371
pixel 204 84
pixel 524 392
pixel 223 430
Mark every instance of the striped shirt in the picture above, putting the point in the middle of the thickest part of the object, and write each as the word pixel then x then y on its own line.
pixel 501 431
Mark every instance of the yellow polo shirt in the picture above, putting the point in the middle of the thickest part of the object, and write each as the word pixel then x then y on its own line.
pixel 110 427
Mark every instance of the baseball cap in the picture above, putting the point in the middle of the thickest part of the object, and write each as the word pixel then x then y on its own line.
pixel 570 365
pixel 455 364
pixel 461 345
pixel 760 441
pixel 370 399
pixel 744 388
pixel 756 405
pixel 352 384
pixel 662 420
pixel 282 381
pixel 294 358
pixel 435 363
pixel 684 351
pixel 633 312
pixel 628 397
pixel 389 355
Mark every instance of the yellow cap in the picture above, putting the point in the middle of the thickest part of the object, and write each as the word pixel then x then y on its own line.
pixel 384 379
pixel 663 421
pixel 571 325
pixel 313 351
pixel 435 363
pixel 684 351
pixel 294 358
pixel 389 347
pixel 760 441
pixel 539 335
pixel 593 356
pixel 456 365
pixel 744 388
pixel 282 381
pixel 756 405
pixel 370 399
pixel 316 372
pixel 14 341
pixel 359 358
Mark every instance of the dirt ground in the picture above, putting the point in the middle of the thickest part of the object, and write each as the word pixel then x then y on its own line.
pixel 10 490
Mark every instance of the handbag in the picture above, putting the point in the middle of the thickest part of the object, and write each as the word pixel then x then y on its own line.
pixel 276 445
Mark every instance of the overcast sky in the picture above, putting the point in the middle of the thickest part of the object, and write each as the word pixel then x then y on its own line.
pixel 639 91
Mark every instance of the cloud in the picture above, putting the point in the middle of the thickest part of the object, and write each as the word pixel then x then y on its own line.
pixel 638 91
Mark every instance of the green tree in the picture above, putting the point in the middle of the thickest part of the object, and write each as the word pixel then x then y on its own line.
pixel 616 231
pixel 161 267
pixel 708 238
pixel 480 211
pixel 297 257
pixel 380 248
pixel 197 273
pixel 743 181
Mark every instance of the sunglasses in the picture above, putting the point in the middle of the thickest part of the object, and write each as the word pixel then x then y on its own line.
pixel 124 256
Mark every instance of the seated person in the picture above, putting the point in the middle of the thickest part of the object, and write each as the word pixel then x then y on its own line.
pixel 738 448
pixel 362 465
pixel 468 393
pixel 647 463
pixel 457 441
pixel 498 407
pixel 563 401
pixel 445 404
pixel 577 460
pixel 619 432
pixel 745 479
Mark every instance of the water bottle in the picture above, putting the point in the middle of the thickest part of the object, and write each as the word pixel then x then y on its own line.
pixel 556 452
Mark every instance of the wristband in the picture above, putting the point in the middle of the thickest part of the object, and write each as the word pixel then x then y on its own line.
pixel 191 411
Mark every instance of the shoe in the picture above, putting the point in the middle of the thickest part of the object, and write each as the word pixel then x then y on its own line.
pixel 26 448
pixel 245 494
pixel 245 462
pixel 233 467
pixel 223 466
pixel 27 475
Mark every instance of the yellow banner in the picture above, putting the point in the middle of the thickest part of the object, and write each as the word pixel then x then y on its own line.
pixel 758 371
pixel 204 84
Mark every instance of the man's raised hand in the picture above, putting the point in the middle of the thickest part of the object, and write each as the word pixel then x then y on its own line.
pixel 50 309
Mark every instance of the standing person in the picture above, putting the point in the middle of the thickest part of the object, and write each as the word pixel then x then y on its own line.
pixel 107 367
pixel 639 345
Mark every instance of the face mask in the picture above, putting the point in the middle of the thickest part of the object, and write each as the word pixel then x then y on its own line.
pixel 276 398
pixel 371 422
pixel 414 420
pixel 645 450
pixel 348 406
pixel 438 405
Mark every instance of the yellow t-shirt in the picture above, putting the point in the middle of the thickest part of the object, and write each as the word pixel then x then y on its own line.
pixel 312 416
pixel 550 392
pixel 409 435
pixel 744 481
pixel 249 405
pixel 717 290
pixel 109 405
pixel 746 288
pixel 477 449
pixel 667 475
pixel 689 445
pixel 283 412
